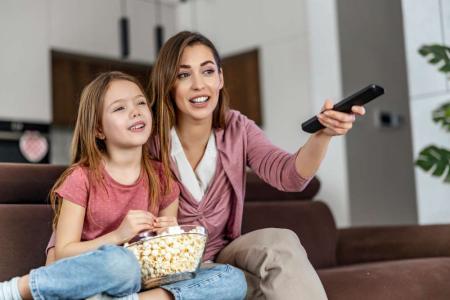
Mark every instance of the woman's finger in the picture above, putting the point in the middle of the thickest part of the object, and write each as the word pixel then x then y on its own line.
pixel 334 124
pixel 359 110
pixel 340 116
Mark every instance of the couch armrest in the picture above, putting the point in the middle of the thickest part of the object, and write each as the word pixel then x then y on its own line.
pixel 24 232
pixel 368 244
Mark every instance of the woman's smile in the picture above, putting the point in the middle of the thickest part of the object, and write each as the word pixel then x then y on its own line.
pixel 198 84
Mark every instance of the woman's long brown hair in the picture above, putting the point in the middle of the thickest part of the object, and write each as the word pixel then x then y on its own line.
pixel 87 149
pixel 162 82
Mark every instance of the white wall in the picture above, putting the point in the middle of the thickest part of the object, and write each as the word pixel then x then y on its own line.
pixel 24 61
pixel 325 82
pixel 298 69
pixel 427 22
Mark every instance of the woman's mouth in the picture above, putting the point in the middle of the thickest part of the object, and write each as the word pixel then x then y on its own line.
pixel 199 100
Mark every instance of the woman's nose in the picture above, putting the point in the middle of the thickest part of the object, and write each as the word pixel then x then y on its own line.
pixel 197 82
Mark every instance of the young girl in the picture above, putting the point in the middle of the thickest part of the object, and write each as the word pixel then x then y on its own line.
pixel 112 191
pixel 210 148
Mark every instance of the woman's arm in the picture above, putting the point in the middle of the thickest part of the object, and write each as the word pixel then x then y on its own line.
pixel 70 226
pixel 310 156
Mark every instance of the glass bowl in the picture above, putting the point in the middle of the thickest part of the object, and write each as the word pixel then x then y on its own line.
pixel 169 256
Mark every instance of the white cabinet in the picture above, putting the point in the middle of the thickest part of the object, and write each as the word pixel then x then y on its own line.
pixel 85 26
pixel 24 61
pixel 144 16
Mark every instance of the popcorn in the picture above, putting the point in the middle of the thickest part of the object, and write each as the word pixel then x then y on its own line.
pixel 173 255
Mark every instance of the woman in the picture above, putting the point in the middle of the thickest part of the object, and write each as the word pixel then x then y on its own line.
pixel 211 146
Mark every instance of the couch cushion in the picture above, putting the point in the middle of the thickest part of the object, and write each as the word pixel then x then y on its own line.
pixel 413 279
pixel 24 233
pixel 258 190
pixel 311 220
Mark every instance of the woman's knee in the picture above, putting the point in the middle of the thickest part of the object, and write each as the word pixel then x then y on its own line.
pixel 273 237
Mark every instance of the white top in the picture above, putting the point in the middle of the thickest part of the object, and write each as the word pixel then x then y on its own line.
pixel 196 181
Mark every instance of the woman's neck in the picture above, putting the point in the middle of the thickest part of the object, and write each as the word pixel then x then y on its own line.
pixel 194 134
pixel 124 165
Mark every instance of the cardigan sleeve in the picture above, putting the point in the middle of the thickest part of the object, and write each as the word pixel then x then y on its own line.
pixel 272 164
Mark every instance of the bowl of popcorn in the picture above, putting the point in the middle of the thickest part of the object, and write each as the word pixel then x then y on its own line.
pixel 170 255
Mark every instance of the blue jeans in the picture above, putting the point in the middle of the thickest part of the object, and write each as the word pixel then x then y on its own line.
pixel 218 282
pixel 114 270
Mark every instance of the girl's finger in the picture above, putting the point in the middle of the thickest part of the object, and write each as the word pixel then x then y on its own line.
pixel 165 223
pixel 142 220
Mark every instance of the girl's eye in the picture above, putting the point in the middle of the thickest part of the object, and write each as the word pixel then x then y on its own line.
pixel 118 108
pixel 142 102
pixel 182 75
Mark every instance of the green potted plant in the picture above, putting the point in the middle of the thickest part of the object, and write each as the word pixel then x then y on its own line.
pixel 433 157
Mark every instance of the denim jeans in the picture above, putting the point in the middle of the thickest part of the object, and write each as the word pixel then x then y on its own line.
pixel 114 271
pixel 218 282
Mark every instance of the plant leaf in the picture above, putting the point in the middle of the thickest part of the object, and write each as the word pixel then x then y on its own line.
pixel 439 54
pixel 441 116
pixel 436 160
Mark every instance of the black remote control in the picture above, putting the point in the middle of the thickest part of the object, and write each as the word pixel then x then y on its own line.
pixel 360 98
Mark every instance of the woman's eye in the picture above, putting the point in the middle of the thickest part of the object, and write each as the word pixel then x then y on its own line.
pixel 182 75
pixel 209 71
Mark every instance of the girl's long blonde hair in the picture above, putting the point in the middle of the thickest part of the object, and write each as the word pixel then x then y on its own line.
pixel 87 149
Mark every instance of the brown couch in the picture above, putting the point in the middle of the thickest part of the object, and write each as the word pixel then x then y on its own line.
pixel 401 262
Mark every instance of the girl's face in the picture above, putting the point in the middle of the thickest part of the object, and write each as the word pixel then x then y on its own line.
pixel 199 81
pixel 126 117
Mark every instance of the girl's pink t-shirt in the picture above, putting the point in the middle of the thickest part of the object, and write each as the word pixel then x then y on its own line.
pixel 108 203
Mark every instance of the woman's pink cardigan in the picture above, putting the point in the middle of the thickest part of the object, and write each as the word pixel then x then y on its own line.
pixel 242 143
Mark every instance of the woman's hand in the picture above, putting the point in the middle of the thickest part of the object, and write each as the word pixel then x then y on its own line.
pixel 163 222
pixel 134 222
pixel 335 122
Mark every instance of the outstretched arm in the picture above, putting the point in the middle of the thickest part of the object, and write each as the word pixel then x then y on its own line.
pixel 312 153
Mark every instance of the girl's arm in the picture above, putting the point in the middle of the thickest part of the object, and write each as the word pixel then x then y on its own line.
pixel 312 153
pixel 70 226
pixel 167 216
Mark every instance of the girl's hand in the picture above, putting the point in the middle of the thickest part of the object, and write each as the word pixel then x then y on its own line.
pixel 335 122
pixel 163 222
pixel 134 222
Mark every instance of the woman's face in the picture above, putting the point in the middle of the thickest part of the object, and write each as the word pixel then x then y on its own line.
pixel 198 83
